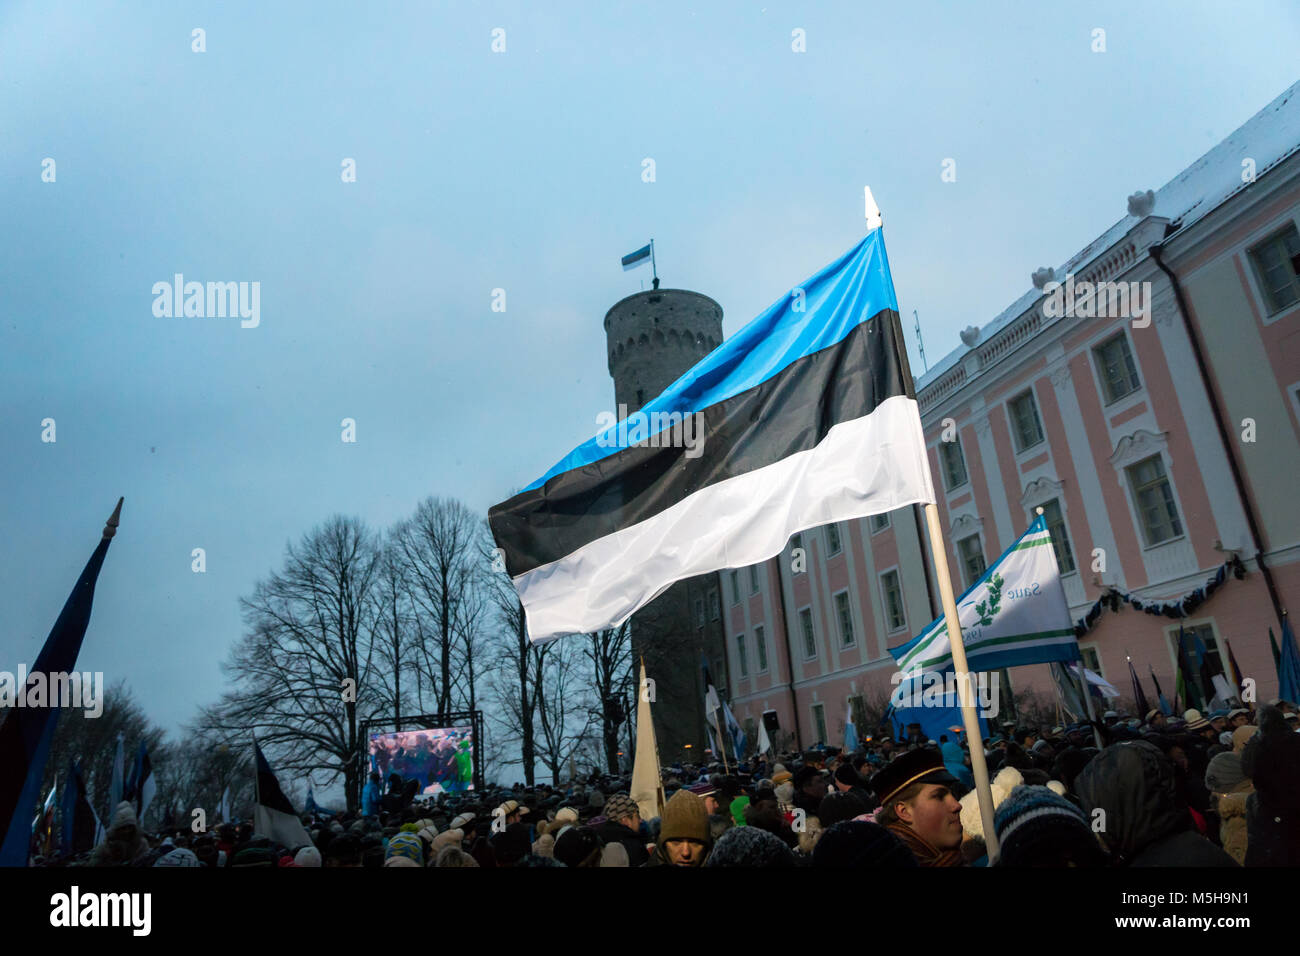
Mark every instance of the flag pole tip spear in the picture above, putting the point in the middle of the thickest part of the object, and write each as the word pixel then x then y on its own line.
pixel 110 528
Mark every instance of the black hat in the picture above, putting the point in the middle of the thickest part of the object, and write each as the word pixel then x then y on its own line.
pixel 804 774
pixel 846 775
pixel 916 766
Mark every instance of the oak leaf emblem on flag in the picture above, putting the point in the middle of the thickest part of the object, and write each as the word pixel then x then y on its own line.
pixel 987 610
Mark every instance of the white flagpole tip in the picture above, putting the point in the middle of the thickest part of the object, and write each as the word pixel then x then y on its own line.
pixel 874 219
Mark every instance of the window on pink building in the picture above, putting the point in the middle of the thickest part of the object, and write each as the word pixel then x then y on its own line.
pixel 845 614
pixel 1060 535
pixel 1025 423
pixel 761 643
pixel 1116 369
pixel 971 553
pixel 1154 498
pixel 1277 267
pixel 954 464
pixel 809 637
pixel 893 594
pixel 741 656
pixel 832 539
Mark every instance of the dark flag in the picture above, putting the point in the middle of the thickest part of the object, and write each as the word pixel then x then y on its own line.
pixel 1189 671
pixel 1139 697
pixel 1164 704
pixel 26 733
pixel 273 814
pixel 1236 671
pixel 80 827
pixel 140 786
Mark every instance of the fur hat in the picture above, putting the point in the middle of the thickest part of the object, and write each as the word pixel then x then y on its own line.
pixel 972 822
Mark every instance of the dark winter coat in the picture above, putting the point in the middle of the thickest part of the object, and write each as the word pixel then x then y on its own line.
pixel 1133 784
pixel 1272 761
pixel 612 831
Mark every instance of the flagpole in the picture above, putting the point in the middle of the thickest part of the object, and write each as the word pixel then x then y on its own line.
pixel 722 742
pixel 978 765
pixel 939 555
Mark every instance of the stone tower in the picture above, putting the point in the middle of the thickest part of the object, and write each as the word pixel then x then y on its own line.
pixel 653 337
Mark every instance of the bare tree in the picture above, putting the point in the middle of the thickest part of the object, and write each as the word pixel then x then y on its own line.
pixel 609 653
pixel 394 627
pixel 440 545
pixel 564 714
pixel 310 645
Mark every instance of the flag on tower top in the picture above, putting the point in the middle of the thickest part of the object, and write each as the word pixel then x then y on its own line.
pixel 804 417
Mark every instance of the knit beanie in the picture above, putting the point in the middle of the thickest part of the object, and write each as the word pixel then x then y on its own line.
pixel 180 857
pixel 1224 772
pixel 1037 827
pixel 859 844
pixel 407 845
pixel 308 856
pixel 750 846
pixel 684 818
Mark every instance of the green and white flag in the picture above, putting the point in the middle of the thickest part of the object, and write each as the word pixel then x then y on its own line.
pixel 1015 614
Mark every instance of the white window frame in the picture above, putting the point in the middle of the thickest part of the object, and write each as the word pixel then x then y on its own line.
pixel 853 618
pixel 760 644
pixel 1015 431
pixel 943 465
pixel 871 523
pixel 1113 406
pixel 884 599
pixel 1262 305
pixel 803 636
pixel 961 558
pixel 834 547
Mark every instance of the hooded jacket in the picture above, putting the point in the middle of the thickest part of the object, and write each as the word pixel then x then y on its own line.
pixel 1133 784
pixel 1272 761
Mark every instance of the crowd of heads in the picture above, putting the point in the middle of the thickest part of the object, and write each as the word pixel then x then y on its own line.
pixel 1127 790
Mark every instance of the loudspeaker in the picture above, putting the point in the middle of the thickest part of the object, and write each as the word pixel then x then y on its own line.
pixel 771 722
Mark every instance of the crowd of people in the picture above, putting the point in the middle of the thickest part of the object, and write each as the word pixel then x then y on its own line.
pixel 1205 790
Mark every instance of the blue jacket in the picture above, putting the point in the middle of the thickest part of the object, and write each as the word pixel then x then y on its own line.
pixel 370 799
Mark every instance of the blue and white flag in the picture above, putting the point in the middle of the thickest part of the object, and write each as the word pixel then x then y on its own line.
pixel 1015 614
pixel 734 731
pixel 634 259
pixel 118 782
pixel 850 732
pixel 804 417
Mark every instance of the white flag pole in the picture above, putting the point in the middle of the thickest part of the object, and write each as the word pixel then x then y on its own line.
pixel 979 767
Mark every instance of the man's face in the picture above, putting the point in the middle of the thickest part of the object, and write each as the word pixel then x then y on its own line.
pixel 935 816
pixel 1239 721
pixel 683 852
pixel 633 822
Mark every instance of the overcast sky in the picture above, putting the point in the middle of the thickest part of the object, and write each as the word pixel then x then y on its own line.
pixel 477 170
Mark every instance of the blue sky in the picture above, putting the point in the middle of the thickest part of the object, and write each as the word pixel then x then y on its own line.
pixel 519 170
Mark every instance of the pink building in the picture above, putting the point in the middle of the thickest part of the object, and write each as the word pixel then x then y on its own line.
pixel 1156 421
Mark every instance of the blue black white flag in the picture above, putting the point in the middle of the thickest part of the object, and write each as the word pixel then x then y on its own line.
pixel 27 732
pixel 804 417
pixel 634 259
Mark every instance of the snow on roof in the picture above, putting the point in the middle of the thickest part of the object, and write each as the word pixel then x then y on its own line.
pixel 1268 137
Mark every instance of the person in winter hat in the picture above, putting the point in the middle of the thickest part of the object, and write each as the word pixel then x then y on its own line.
pixel 917 804
pixel 579 847
pixel 973 845
pixel 307 856
pixel 178 857
pixel 1230 788
pixel 1272 761
pixel 684 838
pixel 125 844
pixel 1133 785
pixel 860 844
pixel 406 846
pixel 1038 827
pixel 623 825
pixel 749 846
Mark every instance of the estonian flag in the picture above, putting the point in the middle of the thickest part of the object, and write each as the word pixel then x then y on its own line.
pixel 80 826
pixel 26 732
pixel 634 259
pixel 804 417
pixel 141 786
pixel 273 814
